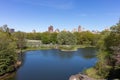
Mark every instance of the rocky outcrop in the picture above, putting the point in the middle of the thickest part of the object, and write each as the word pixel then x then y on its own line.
pixel 80 77
pixel 18 64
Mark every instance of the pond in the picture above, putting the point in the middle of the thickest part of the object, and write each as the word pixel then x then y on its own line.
pixel 55 64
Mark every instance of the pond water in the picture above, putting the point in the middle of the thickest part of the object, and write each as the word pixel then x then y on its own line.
pixel 55 64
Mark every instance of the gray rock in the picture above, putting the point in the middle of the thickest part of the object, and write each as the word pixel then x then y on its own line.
pixel 76 77
pixel 80 77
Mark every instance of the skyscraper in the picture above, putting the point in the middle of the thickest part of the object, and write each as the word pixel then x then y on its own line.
pixel 11 30
pixel 57 30
pixel 79 28
pixel 50 29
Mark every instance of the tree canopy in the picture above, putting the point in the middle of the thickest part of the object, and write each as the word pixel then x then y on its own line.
pixel 108 65
pixel 66 38
pixel 8 55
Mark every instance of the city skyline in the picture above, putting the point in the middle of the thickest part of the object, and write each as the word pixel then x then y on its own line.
pixel 51 29
pixel 26 15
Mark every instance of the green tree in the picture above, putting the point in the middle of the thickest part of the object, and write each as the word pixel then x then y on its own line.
pixel 45 37
pixel 102 67
pixel 33 36
pixel 20 39
pixel 53 38
pixel 8 56
pixel 86 38
pixel 66 38
pixel 108 65
pixel 4 28
pixel 79 38
pixel 112 43
pixel 101 40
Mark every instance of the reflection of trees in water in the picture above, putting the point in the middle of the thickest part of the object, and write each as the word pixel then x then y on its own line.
pixel 21 57
pixel 62 54
pixel 45 52
pixel 87 53
pixel 57 53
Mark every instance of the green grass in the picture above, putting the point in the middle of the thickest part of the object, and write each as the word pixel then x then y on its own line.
pixel 61 47
pixel 35 48
pixel 91 72
pixel 70 47
pixel 67 48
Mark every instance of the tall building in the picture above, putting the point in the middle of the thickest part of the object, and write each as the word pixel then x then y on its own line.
pixel 11 30
pixel 74 30
pixel 64 30
pixel 57 30
pixel 34 31
pixel 119 21
pixel 50 29
pixel 107 29
pixel 95 32
pixel 79 28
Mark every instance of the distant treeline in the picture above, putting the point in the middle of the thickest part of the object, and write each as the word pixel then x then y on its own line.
pixel 66 38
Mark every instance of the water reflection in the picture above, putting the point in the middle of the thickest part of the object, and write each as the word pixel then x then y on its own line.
pixel 54 64
pixel 87 53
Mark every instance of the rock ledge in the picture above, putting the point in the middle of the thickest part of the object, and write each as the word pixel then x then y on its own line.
pixel 80 77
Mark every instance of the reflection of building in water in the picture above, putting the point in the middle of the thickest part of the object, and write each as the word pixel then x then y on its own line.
pixel 50 29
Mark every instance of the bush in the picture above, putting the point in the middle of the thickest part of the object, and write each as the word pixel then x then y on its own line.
pixel 91 72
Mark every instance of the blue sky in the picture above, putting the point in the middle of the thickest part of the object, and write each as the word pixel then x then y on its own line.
pixel 26 15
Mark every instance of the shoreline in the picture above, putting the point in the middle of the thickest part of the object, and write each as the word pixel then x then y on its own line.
pixel 7 75
pixel 65 50
pixel 16 66
pixel 19 63
pixel 81 77
pixel 58 48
